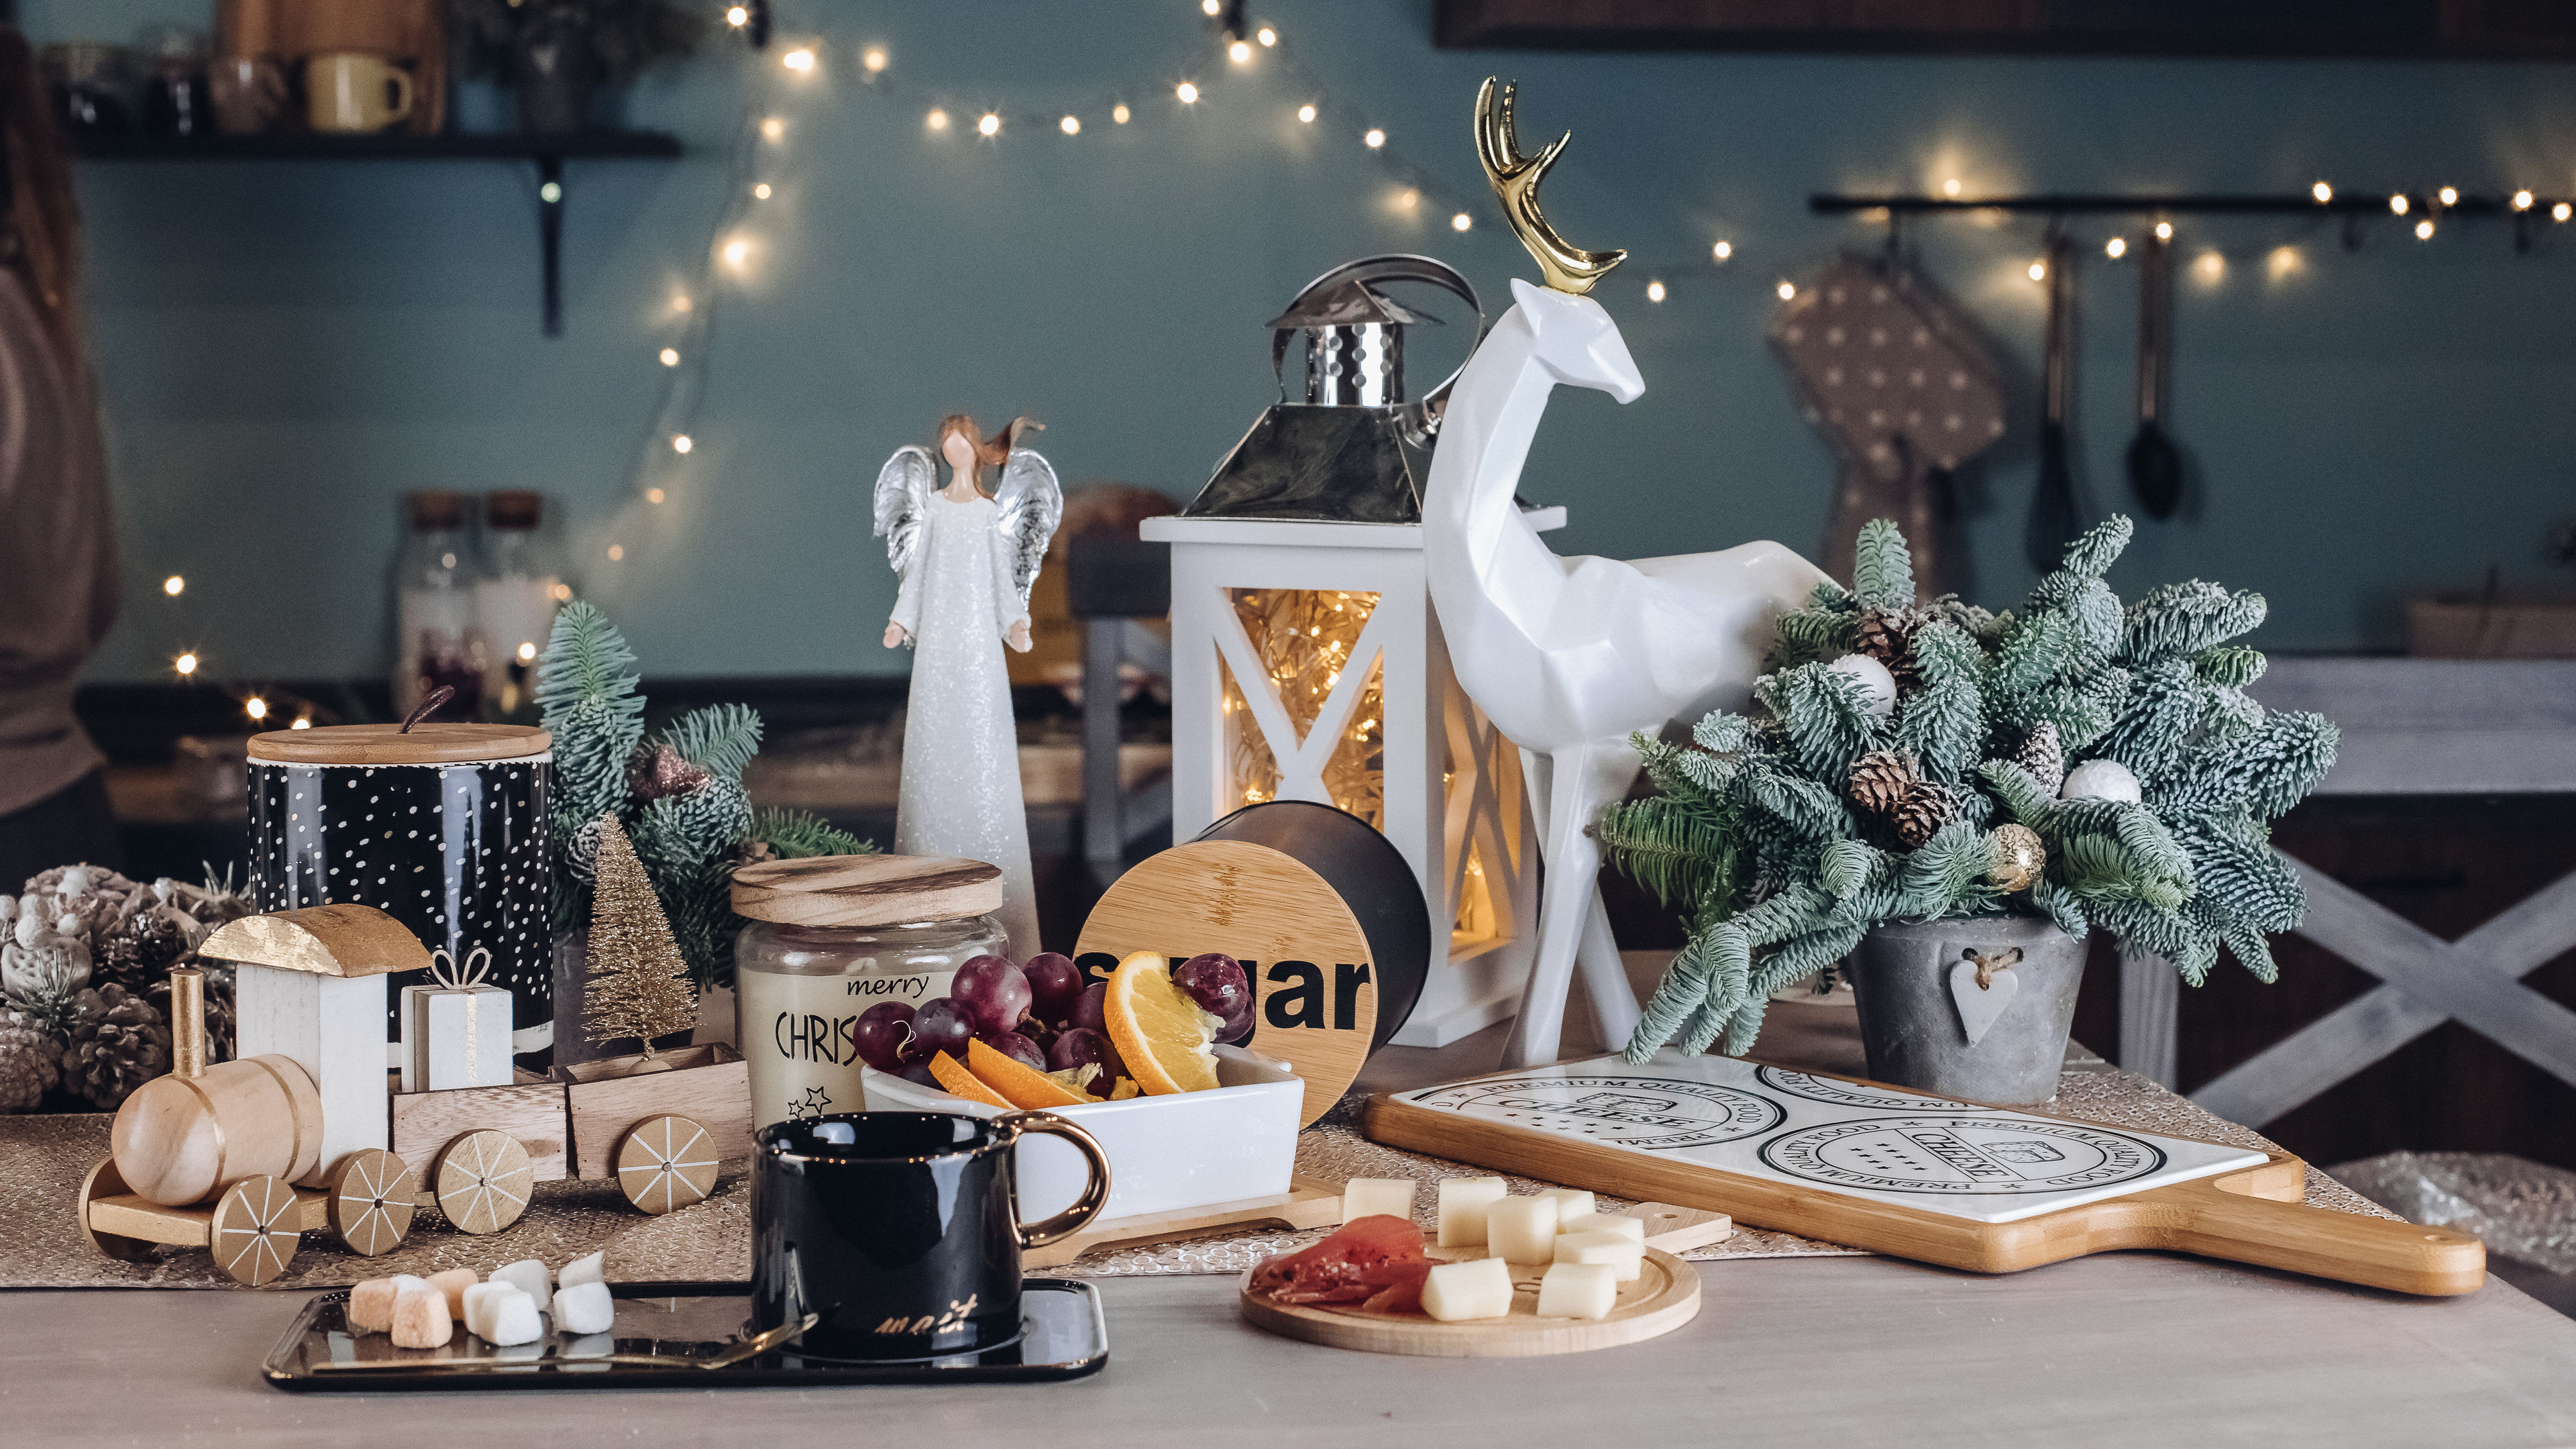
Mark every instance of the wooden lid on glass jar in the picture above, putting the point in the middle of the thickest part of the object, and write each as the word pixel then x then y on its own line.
pixel 386 744
pixel 866 890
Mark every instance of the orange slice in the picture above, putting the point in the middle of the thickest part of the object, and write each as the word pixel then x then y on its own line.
pixel 1015 1080
pixel 1159 1031
pixel 960 1082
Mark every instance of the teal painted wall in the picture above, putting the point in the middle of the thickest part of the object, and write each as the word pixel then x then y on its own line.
pixel 289 347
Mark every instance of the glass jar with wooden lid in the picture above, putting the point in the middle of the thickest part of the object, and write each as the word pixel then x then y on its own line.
pixel 827 938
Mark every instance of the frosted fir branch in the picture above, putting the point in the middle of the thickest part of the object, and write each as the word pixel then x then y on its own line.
pixel 1882 567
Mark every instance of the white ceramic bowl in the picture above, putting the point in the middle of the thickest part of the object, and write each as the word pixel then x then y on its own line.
pixel 1188 1150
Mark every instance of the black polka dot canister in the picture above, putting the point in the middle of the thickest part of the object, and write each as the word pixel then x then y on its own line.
pixel 443 828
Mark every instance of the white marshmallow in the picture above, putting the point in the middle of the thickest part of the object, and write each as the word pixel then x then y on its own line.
pixel 1521 1229
pixel 584 1269
pixel 511 1318
pixel 585 1308
pixel 528 1276
pixel 371 1304
pixel 421 1319
pixel 453 1283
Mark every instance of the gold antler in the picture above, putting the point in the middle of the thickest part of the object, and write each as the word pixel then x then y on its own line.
pixel 1515 180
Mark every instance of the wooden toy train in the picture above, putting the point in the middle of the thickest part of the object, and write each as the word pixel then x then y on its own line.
pixel 306 1130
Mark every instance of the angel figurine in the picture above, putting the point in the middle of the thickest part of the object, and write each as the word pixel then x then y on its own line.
pixel 967 558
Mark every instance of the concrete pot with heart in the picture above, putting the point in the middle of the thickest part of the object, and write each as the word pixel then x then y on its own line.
pixel 1974 1007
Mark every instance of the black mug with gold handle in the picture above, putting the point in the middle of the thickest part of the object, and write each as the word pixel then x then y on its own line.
pixel 901 1229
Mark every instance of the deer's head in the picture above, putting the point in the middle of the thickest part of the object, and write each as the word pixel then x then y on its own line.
pixel 1577 342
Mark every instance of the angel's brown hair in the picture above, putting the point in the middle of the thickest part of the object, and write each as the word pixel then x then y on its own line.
pixel 990 452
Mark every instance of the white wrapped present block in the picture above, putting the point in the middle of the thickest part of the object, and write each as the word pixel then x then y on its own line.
pixel 455 1032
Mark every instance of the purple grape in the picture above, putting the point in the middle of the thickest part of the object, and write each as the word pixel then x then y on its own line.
pixel 1055 984
pixel 1015 1046
pixel 919 1075
pixel 1090 1010
pixel 992 992
pixel 1218 985
pixel 883 1031
pixel 1081 1046
pixel 939 1026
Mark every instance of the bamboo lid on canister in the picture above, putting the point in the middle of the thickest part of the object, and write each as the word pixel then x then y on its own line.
pixel 385 744
pixel 866 890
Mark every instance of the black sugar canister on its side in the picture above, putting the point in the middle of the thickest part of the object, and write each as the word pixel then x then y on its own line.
pixel 443 828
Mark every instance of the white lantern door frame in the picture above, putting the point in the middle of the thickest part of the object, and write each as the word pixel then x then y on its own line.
pixel 1452 801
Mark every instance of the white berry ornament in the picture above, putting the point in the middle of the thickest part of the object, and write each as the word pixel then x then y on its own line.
pixel 2102 780
pixel 1877 686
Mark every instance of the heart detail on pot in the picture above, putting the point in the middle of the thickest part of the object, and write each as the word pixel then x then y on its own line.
pixel 1983 987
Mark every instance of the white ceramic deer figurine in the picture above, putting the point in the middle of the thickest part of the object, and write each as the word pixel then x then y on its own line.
pixel 1569 656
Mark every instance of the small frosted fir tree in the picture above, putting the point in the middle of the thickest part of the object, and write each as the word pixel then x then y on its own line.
pixel 639 982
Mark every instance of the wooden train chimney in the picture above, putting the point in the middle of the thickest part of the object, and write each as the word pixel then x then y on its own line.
pixel 187 1022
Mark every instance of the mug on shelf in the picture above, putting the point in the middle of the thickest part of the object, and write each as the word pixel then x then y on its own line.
pixel 249 93
pixel 353 92
pixel 902 1229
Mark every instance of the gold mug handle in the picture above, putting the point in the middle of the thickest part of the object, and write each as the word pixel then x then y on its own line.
pixel 1095 1194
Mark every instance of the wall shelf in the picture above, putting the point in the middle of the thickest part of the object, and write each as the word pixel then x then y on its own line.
pixel 548 153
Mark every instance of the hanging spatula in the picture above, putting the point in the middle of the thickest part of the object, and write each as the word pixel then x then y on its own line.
pixel 2053 517
pixel 2155 464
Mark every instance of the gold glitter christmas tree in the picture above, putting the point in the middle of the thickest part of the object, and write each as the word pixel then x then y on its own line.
pixel 639 982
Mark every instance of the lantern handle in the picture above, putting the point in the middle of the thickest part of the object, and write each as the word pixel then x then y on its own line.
pixel 1421 416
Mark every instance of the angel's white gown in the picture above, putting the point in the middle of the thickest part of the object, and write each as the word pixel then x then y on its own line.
pixel 961 758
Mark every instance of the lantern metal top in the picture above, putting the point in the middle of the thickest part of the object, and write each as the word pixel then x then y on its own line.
pixel 1353 303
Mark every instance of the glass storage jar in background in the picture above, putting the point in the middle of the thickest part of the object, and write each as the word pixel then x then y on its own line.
pixel 830 936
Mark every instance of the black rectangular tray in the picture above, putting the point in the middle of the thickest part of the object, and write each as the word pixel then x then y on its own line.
pixel 1062 1337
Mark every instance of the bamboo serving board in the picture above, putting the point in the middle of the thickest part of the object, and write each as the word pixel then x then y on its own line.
pixel 1878 1167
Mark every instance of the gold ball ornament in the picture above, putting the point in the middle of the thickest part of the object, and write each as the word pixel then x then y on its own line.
pixel 2014 857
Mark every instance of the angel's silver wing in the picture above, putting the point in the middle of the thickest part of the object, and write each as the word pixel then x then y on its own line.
pixel 903 496
pixel 1032 503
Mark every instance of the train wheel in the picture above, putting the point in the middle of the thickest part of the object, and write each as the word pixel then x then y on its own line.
pixel 257 1229
pixel 373 1196
pixel 482 1181
pixel 104 1181
pixel 665 1163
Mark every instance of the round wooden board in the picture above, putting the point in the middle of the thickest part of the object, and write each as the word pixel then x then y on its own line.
pixel 482 1181
pixel 373 1196
pixel 1664 1297
pixel 256 1229
pixel 664 1163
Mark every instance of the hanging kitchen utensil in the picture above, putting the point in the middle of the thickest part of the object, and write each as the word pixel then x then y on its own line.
pixel 2054 519
pixel 1901 385
pixel 2155 464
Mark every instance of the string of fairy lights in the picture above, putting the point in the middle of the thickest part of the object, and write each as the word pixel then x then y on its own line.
pixel 760 163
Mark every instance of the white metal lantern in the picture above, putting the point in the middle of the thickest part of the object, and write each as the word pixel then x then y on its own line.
pixel 1307 665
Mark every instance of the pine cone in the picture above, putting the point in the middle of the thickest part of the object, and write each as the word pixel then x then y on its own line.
pixel 2042 757
pixel 1925 809
pixel 120 1044
pixel 1887 636
pixel 28 1069
pixel 138 955
pixel 1882 779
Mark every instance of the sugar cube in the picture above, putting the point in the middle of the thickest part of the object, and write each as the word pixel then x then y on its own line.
pixel 1369 1196
pixel 528 1276
pixel 1463 1201
pixel 1571 1202
pixel 584 1269
pixel 511 1318
pixel 1578 1290
pixel 1632 1228
pixel 371 1304
pixel 421 1319
pixel 1521 1229
pixel 478 1307
pixel 585 1308
pixel 1480 1288
pixel 1616 1249
pixel 453 1283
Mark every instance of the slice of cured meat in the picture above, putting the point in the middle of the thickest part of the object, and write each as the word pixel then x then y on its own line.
pixel 1372 1265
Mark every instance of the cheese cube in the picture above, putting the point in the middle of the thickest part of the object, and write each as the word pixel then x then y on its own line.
pixel 1463 1201
pixel 1633 1229
pixel 1625 1256
pixel 1478 1289
pixel 1369 1196
pixel 1521 1229
pixel 1571 1202
pixel 1578 1290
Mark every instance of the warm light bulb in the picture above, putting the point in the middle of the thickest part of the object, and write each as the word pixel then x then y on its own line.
pixel 1374 139
pixel 302 722
pixel 1119 113
pixel 2211 267
pixel 560 593
pixel 2561 211
pixel 1306 113
pixel 2522 201
pixel 1267 36
pixel 2322 192
pixel 670 357
pixel 2424 229
pixel 2398 203
pixel 760 191
pixel 682 442
pixel 1654 291
pixel 1461 222
pixel 616 551
pixel 2115 248
pixel 652 495
pixel 527 650
pixel 550 192
pixel 736 252
pixel 1407 198
pixel 1950 187
pixel 1070 125
pixel 2450 196
pixel 2284 261
pixel 989 125
pixel 1788 290
pixel 255 707
pixel 1722 250
pixel 2039 271
pixel 799 59
pixel 874 60
pixel 1239 52
pixel 2164 231
pixel 174 586
pixel 185 664
pixel 772 129
pixel 680 304
pixel 737 16
pixel 1210 7
pixel 937 120
pixel 1188 93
